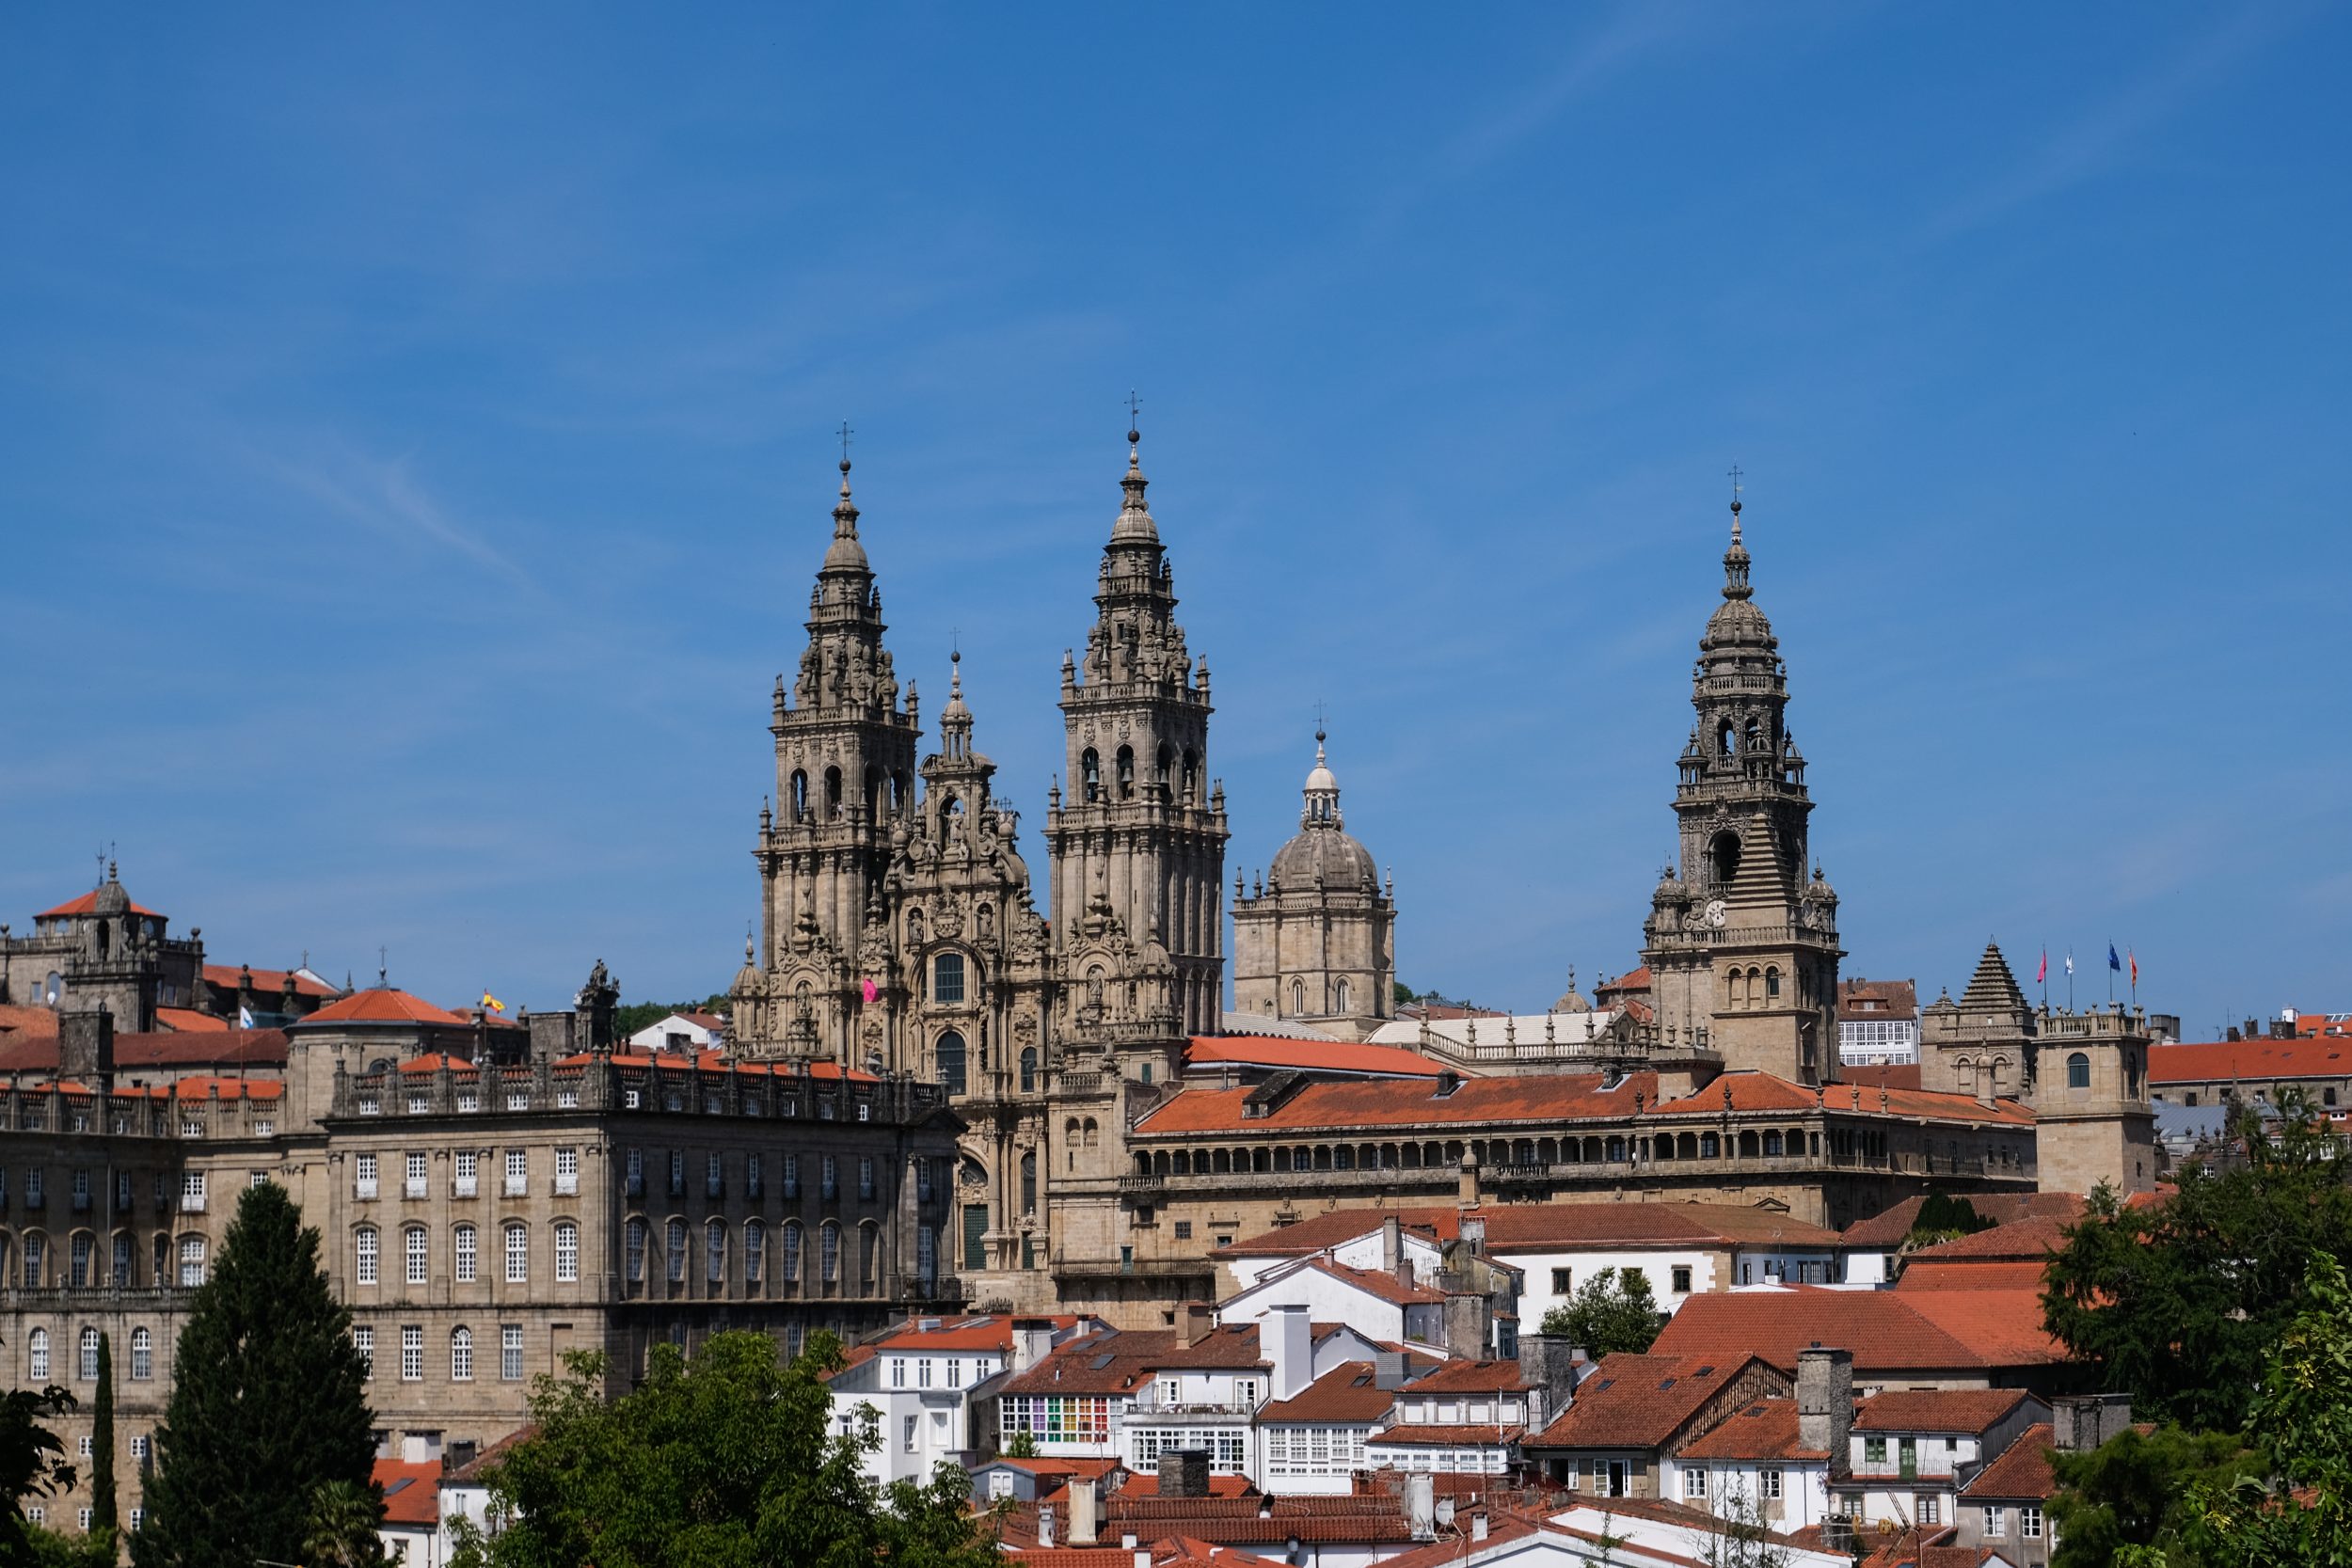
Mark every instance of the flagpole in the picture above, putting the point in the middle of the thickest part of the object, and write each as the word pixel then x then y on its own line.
pixel 2070 979
pixel 2110 973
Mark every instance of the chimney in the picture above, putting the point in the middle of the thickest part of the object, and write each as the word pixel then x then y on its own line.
pixel 1388 1369
pixel 1287 1341
pixel 1200 1321
pixel 1473 1232
pixel 1032 1338
pixel 1478 1526
pixel 1046 1525
pixel 1393 1248
pixel 1466 1320
pixel 1184 1472
pixel 1143 1557
pixel 2080 1422
pixel 1084 1507
pixel 1465 1189
pixel 1826 1404
pixel 1420 1504
pixel 1549 1361
pixel 85 1047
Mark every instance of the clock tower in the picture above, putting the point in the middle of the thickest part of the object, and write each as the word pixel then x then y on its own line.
pixel 1741 944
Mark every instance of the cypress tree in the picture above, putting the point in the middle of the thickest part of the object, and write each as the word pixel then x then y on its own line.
pixel 268 1403
pixel 102 1517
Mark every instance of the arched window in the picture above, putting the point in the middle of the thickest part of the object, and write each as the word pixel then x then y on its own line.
pixel 1711 1147
pixel 36 1356
pixel 466 1245
pixel 161 1258
pixel 461 1355
pixel 868 1251
pixel 788 1266
pixel 517 1253
pixel 86 1366
pixel 950 1050
pixel 413 1242
pixel 755 1253
pixel 633 1250
pixel 364 1245
pixel 567 1251
pixel 715 1252
pixel 1723 855
pixel 947 977
pixel 1728 738
pixel 829 1252
pixel 674 1253
pixel 1771 984
pixel 798 800
pixel 36 1259
pixel 1126 772
pixel 1192 773
pixel 142 1354
pixel 1091 1131
pixel 1163 766
pixel 873 791
pixel 833 794
pixel 1028 1183
pixel 2079 1072
pixel 1298 998
pixel 192 1257
pixel 77 1260
pixel 1028 1069
pixel 1091 773
pixel 121 1276
pixel 1771 1142
pixel 1340 997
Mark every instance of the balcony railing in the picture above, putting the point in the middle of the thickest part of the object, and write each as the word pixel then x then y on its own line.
pixel 517 1185
pixel 463 1186
pixel 412 1186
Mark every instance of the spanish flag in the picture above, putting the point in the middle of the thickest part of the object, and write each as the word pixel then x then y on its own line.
pixel 493 1002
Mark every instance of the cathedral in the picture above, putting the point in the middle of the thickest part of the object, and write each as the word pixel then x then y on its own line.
pixel 898 929
pixel 899 935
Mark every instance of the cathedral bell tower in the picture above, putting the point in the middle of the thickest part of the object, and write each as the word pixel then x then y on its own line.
pixel 845 780
pixel 1741 946
pixel 1141 839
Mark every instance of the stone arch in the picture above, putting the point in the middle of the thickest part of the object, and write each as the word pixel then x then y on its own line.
pixel 1126 765
pixel 1091 773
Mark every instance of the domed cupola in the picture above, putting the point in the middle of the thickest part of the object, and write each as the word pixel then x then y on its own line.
pixel 1322 854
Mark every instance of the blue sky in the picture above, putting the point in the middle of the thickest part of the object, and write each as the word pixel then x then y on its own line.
pixel 414 452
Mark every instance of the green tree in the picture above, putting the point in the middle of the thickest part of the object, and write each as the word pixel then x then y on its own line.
pixel 1613 1311
pixel 49 1548
pixel 1942 1218
pixel 2180 1303
pixel 342 1530
pixel 32 1461
pixel 726 1459
pixel 268 1402
pixel 103 1519
pixel 2130 1493
pixel 2301 1514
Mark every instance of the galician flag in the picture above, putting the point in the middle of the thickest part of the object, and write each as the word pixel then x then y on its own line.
pixel 2070 960
pixel 2043 972
pixel 245 1018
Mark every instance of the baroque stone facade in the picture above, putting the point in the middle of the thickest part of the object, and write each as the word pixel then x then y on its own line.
pixel 898 930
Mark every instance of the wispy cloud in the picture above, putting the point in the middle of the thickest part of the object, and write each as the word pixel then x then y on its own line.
pixel 386 495
pixel 2103 138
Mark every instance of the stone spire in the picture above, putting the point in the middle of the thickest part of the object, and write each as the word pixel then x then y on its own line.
pixel 1321 805
pixel 1134 518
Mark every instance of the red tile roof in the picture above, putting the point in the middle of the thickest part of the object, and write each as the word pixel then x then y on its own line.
pixel 2254 1061
pixel 1895 1075
pixel 1529 1227
pixel 1117 1362
pixel 1971 1275
pixel 1761 1091
pixel 383 1004
pixel 1340 1056
pixel 1463 1376
pixel 412 1491
pixel 434 1061
pixel 87 904
pixel 1535 1100
pixel 985 1331
pixel 263 1048
pixel 1385 1286
pixel 188 1021
pixel 22 1023
pixel 1345 1393
pixel 470 1473
pixel 2022 1470
pixel 1426 1435
pixel 1887 1330
pixel 1146 1483
pixel 1765 1429
pixel 1447 1552
pixel 2034 1237
pixel 1640 1401
pixel 204 1087
pixel 1887 1229
pixel 1967 1410
pixel 228 977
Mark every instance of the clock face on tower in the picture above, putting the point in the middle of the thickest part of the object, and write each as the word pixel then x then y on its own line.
pixel 1713 914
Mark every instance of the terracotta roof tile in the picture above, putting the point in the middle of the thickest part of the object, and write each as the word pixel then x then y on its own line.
pixel 471 1472
pixel 1970 1410
pixel 240 1048
pixel 1528 1226
pixel 992 1330
pixel 1427 1434
pixel 1971 1275
pixel 22 1022
pixel 1761 1091
pixel 1765 1429
pixel 1341 1056
pixel 412 1491
pixel 1640 1401
pixel 2022 1470
pixel 1146 1483
pixel 1117 1362
pixel 383 1004
pixel 1345 1393
pixel 1893 1075
pixel 87 904
pixel 1464 1376
pixel 1537 1100
pixel 228 977
pixel 1888 1331
pixel 188 1021
pixel 2034 1237
pixel 1887 1228
pixel 2253 1061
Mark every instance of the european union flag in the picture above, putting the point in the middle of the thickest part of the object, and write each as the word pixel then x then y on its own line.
pixel 2113 962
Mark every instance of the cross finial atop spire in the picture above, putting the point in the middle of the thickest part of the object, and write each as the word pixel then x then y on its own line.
pixel 1735 503
pixel 1134 419
pixel 1319 725
pixel 845 432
